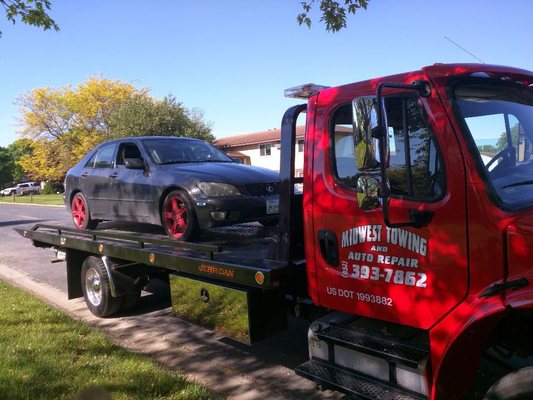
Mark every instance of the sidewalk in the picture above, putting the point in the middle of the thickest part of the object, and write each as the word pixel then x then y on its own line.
pixel 201 355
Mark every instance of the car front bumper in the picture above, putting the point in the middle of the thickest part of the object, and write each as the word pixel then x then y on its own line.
pixel 221 211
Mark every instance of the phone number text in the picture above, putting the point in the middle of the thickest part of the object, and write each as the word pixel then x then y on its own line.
pixel 399 276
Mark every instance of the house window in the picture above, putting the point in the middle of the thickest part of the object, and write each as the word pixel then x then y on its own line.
pixel 300 146
pixel 265 149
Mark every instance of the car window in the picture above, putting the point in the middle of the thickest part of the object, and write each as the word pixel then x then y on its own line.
pixel 127 150
pixel 103 158
pixel 176 151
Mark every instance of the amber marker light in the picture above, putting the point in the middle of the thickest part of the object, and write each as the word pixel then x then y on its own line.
pixel 259 277
pixel 151 257
pixel 101 248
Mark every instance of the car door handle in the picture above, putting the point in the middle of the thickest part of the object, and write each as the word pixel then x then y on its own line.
pixel 84 175
pixel 113 175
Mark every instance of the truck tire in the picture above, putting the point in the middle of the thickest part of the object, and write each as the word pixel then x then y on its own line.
pixel 517 385
pixel 96 289
pixel 178 217
pixel 81 215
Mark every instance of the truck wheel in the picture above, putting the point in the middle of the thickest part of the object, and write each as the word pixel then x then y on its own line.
pixel 130 301
pixel 517 385
pixel 80 213
pixel 178 216
pixel 96 289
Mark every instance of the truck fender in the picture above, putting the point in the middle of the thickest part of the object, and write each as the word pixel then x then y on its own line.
pixel 459 340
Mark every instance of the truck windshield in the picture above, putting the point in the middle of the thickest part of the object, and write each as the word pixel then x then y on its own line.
pixel 499 118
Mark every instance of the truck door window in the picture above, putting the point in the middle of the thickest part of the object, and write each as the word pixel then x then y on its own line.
pixel 415 169
pixel 415 173
pixel 343 146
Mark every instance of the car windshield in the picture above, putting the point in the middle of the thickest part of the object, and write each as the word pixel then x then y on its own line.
pixel 499 117
pixel 177 151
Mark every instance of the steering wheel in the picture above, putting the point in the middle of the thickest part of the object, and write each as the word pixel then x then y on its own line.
pixel 508 155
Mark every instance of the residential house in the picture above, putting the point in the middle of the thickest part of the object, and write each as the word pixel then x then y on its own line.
pixel 262 149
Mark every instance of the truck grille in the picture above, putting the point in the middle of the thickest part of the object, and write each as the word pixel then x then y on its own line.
pixel 263 189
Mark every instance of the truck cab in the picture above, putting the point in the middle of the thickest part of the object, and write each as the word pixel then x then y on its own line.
pixel 418 204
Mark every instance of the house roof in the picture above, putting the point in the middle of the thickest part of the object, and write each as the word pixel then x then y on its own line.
pixel 272 135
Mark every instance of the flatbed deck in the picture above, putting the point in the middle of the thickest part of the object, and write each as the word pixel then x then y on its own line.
pixel 238 255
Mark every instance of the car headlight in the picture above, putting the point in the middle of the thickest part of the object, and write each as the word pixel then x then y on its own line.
pixel 216 189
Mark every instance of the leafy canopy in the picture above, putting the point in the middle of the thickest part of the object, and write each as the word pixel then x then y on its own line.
pixel 30 12
pixel 64 124
pixel 333 13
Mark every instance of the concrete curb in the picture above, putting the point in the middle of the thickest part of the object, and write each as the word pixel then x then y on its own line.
pixel 175 344
pixel 31 204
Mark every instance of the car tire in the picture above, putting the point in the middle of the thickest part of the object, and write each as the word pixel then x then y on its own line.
pixel 96 288
pixel 80 212
pixel 178 217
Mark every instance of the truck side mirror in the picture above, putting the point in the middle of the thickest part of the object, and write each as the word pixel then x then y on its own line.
pixel 367 159
pixel 365 123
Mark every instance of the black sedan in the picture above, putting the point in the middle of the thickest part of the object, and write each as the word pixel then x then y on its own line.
pixel 185 185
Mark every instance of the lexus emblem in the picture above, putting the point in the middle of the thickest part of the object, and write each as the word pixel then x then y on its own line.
pixel 269 189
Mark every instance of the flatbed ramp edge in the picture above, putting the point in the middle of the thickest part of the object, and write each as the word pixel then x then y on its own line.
pixel 201 260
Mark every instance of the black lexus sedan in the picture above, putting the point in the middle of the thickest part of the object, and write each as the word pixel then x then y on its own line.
pixel 185 185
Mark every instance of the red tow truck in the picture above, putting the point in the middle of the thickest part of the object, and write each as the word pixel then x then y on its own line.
pixel 412 239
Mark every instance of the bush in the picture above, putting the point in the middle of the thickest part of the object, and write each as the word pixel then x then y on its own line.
pixel 52 187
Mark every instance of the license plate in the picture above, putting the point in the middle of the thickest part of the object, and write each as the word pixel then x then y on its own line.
pixel 272 206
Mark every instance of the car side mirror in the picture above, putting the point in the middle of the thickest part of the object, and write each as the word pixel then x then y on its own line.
pixel 134 163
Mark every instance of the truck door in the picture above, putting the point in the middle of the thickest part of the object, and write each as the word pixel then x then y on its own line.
pixel 408 275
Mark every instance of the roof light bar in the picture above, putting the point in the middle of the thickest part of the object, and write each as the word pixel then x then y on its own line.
pixel 303 91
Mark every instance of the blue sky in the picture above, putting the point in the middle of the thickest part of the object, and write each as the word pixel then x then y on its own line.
pixel 234 58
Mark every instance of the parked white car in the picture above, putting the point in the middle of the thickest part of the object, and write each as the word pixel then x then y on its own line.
pixel 22 189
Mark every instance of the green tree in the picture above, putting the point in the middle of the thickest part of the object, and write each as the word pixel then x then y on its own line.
pixel 333 14
pixel 6 167
pixel 64 124
pixel 502 144
pixel 142 115
pixel 17 150
pixel 487 148
pixel 30 12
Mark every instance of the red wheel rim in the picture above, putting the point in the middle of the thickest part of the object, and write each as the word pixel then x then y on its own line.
pixel 175 217
pixel 79 212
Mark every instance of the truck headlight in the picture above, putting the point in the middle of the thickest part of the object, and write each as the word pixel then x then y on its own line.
pixel 216 189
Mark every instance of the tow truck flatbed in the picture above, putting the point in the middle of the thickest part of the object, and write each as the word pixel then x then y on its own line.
pixel 243 265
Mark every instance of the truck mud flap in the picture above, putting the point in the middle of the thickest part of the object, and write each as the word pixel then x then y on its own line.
pixel 241 314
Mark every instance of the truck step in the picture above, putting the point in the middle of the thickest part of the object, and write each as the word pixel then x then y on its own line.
pixel 392 350
pixel 357 385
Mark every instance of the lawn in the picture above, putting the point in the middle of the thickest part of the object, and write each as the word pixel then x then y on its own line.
pixel 46 355
pixel 49 199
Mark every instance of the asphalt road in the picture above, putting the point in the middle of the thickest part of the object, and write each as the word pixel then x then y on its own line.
pixel 18 252
pixel 238 371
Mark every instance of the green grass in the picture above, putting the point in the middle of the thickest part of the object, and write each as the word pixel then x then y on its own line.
pixel 50 199
pixel 46 355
